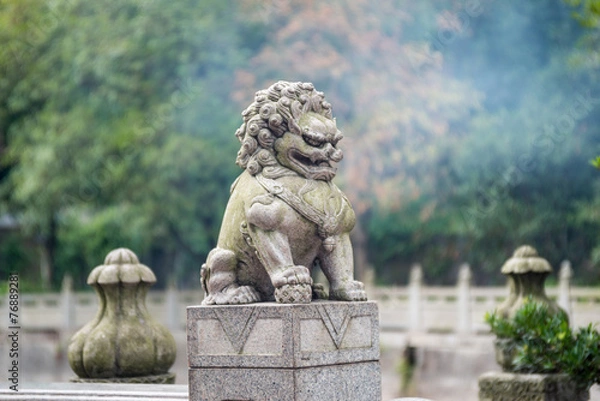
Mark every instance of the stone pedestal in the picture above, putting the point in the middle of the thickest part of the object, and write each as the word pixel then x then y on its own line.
pixel 502 386
pixel 324 350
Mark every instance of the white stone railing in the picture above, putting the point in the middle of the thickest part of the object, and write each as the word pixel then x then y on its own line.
pixel 70 310
pixel 461 309
pixel 414 308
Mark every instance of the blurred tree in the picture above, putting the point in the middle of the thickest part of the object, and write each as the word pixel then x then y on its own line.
pixel 588 13
pixel 97 138
pixel 521 172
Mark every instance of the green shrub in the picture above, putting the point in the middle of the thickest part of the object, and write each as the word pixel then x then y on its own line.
pixel 543 342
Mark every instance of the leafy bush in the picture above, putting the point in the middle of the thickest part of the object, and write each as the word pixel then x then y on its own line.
pixel 543 342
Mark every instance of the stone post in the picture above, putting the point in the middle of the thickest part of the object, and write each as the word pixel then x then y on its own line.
pixel 369 278
pixel 415 311
pixel 171 305
pixel 513 293
pixel 122 343
pixel 67 302
pixel 564 287
pixel 464 300
pixel 526 272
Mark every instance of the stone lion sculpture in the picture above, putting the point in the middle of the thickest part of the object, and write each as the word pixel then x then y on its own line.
pixel 284 216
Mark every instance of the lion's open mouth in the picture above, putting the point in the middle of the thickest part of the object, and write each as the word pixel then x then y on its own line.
pixel 315 166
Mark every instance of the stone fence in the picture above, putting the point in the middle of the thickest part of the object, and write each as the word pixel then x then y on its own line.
pixel 413 308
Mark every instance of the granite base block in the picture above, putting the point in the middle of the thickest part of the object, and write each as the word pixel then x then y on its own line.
pixel 504 386
pixel 324 350
pixel 350 382
pixel 270 335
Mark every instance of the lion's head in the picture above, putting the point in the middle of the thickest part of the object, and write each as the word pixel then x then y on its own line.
pixel 289 125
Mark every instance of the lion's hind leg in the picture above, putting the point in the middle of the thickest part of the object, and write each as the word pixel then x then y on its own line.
pixel 219 280
pixel 338 265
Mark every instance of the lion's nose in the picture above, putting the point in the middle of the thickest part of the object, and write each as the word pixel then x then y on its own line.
pixel 337 156
pixel 334 154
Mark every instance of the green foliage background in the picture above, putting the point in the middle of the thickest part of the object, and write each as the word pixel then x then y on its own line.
pixel 469 125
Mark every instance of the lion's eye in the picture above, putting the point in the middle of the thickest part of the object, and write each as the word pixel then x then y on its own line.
pixel 312 142
pixel 313 138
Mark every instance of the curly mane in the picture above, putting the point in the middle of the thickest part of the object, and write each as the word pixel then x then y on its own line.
pixel 274 112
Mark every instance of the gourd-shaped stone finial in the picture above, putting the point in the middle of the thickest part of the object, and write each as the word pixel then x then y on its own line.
pixel 526 272
pixel 122 343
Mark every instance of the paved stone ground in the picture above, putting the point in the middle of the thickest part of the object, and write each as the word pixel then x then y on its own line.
pixel 447 368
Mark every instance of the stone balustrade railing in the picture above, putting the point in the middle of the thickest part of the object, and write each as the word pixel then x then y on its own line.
pixel 415 308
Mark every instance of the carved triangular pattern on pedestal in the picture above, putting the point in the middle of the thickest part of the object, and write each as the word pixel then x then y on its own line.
pixel 336 319
pixel 237 324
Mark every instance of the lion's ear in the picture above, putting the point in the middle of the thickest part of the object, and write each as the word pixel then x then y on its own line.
pixel 294 127
pixel 296 109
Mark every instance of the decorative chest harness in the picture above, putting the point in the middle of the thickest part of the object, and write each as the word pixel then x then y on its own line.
pixel 327 221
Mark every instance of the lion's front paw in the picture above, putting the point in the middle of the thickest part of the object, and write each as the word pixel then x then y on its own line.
pixel 293 294
pixel 292 275
pixel 349 291
pixel 233 295
pixel 293 285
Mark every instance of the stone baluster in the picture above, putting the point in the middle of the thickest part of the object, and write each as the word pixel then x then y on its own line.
pixel 171 305
pixel 414 298
pixel 123 343
pixel 464 299
pixel 564 287
pixel 526 272
pixel 369 279
pixel 67 302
